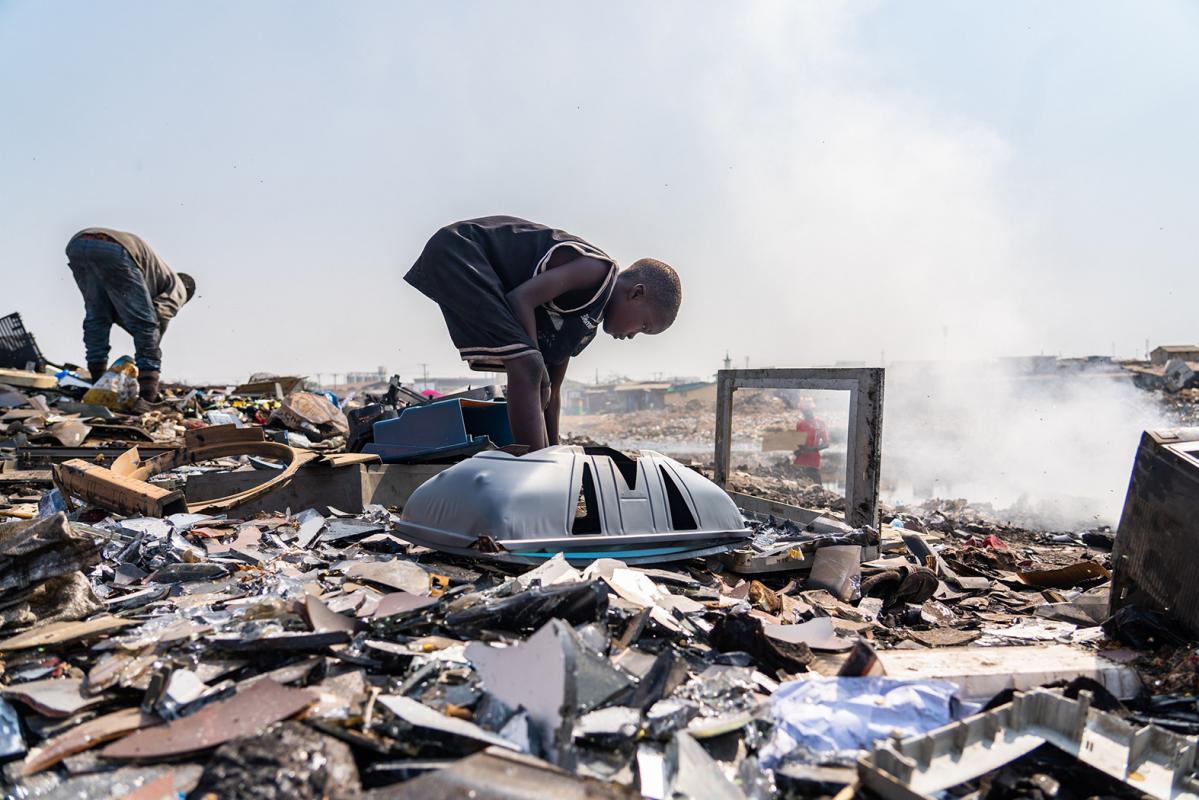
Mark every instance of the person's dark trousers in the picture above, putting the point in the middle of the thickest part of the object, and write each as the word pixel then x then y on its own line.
pixel 114 291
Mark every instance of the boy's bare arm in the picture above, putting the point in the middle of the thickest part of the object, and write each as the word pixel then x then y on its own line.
pixel 581 273
pixel 530 388
pixel 554 409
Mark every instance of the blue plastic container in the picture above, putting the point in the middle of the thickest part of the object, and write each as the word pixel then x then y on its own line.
pixel 441 429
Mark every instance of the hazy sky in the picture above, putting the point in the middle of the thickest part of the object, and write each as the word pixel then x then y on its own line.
pixel 832 180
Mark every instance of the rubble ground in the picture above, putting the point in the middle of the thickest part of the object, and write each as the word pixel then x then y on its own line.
pixel 358 631
pixel 307 654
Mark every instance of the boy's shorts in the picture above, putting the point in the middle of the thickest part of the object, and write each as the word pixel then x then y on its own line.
pixel 453 271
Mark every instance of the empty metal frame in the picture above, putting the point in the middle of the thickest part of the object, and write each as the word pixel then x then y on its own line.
pixel 863 461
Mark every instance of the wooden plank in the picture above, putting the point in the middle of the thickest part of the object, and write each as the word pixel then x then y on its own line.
pixel 29 380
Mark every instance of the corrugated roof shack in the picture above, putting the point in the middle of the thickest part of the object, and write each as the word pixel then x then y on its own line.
pixel 620 397
pixel 1160 355
pixel 681 394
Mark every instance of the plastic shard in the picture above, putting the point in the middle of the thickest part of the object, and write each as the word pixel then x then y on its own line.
pixel 554 676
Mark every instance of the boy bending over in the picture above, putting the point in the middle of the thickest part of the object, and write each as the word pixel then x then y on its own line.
pixel 524 298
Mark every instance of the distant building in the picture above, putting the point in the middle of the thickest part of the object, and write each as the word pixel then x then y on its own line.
pixel 621 397
pixel 574 396
pixel 683 393
pixel 380 374
pixel 1186 352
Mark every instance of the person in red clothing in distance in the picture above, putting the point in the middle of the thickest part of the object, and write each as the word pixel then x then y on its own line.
pixel 807 455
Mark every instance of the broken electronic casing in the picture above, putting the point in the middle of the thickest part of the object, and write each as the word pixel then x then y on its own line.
pixel 125 488
pixel 1150 759
pixel 1152 560
pixel 526 509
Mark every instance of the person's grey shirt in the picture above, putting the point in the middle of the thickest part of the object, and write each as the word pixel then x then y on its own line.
pixel 167 292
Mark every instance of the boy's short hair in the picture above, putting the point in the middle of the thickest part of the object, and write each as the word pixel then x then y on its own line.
pixel 662 285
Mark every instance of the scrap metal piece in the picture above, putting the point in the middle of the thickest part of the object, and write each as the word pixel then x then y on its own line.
pixel 818 634
pixel 496 774
pixel 18 348
pixel 286 642
pixel 180 688
pixel 553 676
pixel 1155 543
pixel 322 620
pixel 576 603
pixel 68 433
pixel 60 599
pixel 184 572
pixel 162 788
pixel 779 550
pixel 396 574
pixel 34 550
pixel 1065 577
pixel 863 466
pixel 59 632
pixel 53 697
pixel 305 411
pixel 1178 375
pixel 1149 759
pixel 837 569
pixel 139 598
pixel 85 736
pixel 129 783
pixel 401 603
pixel 585 502
pixel 421 716
pixel 697 775
pixel 744 633
pixel 805 519
pixel 277 386
pixel 247 713
pixel 301 763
